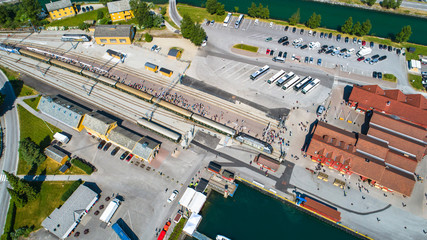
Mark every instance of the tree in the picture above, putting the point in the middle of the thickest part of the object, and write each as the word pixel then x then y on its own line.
pixel 236 9
pixel 163 11
pixel 198 35
pixel 211 6
pixel 220 10
pixel 295 18
pixel 187 26
pixel 12 179
pixel 142 13
pixel 31 152
pixel 397 4
pixel 265 12
pixel 104 2
pixel 356 29
pixel 366 27
pixel 370 2
pixel 404 34
pixel 29 9
pixel 348 25
pixel 158 20
pixel 252 10
pixel 19 200
pixel 2 98
pixel 100 14
pixel 313 21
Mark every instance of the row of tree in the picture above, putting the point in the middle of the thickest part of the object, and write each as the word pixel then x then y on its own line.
pixel 15 15
pixel 314 21
pixel 22 191
pixel 258 11
pixel 192 30
pixel 144 16
pixel 357 28
pixel 214 7
pixel 385 3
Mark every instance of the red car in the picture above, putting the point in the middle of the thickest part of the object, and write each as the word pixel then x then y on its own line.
pixel 268 51
pixel 129 157
pixel 363 43
pixel 360 59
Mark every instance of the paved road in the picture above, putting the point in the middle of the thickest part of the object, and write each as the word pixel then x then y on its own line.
pixel 416 5
pixel 173 13
pixel 9 160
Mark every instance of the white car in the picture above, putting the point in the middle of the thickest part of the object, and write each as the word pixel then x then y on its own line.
pixel 173 196
pixel 158 49
pixel 271 24
pixel 204 43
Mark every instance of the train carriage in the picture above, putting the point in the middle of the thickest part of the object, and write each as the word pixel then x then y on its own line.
pixel 215 125
pixel 184 112
pixel 153 126
pixel 10 49
pixel 65 66
pixel 98 77
pixel 134 91
pixel 35 55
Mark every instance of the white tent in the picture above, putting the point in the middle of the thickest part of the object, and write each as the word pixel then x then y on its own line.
pixel 197 202
pixel 192 223
pixel 61 137
pixel 186 198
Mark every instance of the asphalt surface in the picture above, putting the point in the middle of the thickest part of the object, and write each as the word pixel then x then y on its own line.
pixel 9 159
pixel 173 13
pixel 416 5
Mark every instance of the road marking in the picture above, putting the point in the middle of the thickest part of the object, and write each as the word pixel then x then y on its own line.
pixel 3 178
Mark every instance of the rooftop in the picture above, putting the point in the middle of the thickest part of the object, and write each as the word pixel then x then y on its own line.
pixel 173 52
pixel 97 122
pixel 118 6
pixel 145 147
pixel 411 107
pixel 62 110
pixel 267 162
pixel 63 220
pixel 55 152
pixel 52 6
pixel 113 30
pixel 124 138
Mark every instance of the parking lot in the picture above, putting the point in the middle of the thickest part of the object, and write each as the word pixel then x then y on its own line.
pixel 256 34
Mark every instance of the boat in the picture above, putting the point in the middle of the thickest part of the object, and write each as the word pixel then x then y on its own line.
pixel 220 237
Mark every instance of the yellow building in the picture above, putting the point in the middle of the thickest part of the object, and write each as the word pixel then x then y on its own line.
pixel 165 72
pixel 61 9
pixel 98 125
pixel 174 53
pixel 120 10
pixel 151 67
pixel 56 153
pixel 114 34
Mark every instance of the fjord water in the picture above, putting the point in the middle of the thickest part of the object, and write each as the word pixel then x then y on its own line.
pixel 383 24
pixel 252 215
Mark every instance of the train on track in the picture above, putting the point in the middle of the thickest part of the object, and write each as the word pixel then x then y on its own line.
pixel 244 138
pixel 10 49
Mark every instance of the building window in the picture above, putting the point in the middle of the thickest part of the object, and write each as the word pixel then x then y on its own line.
pixel 103 40
pixel 122 40
pixel 120 16
pixel 113 40
pixel 59 14
pixel 54 16
pixel 114 17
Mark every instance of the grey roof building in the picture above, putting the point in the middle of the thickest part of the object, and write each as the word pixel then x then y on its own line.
pixel 63 220
pixel 62 110
pixel 52 6
pixel 113 31
pixel 118 6
pixel 98 123
pixel 146 147
pixel 124 138
pixel 55 152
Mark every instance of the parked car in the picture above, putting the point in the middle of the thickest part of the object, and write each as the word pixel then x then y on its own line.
pixel 321 35
pixel 271 24
pixel 285 54
pixel 343 50
pixel 319 61
pixel 306 60
pixel 294 30
pixel 208 22
pixel 330 35
pixel 320 110
pixel 367 60
pixel 382 58
pixel 301 32
pixel 398 51
pixel 373 61
pixel 360 59
pixel 375 56
pixel 374 74
pixel 285 43
pixel 380 46
pixel 354 40
pixel 101 144
pixel 83 9
pixel 329 51
pixel 173 196
pixel 268 39
pixel 106 147
pixel 91 8
pixel 311 59
pixel 384 46
pixel 212 22
pixel 347 55
pixel 359 41
pixel 371 44
pixel 282 39
pixel 271 52
pixel 380 75
pixel 123 156
pixel 346 39
pixel 339 37
pixel 158 49
pixel 267 51
pixel 390 48
pixel 314 33
pixel 286 28
pixel 115 150
pixel 304 47
pixel 129 157
pixel 154 47
pixel 280 54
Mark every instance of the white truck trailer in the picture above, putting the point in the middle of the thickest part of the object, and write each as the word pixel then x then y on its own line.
pixel 110 210
pixel 363 52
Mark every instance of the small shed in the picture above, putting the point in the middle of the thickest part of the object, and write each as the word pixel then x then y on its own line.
pixel 64 168
pixel 174 53
pixel 267 162
pixel 165 72
pixel 151 67
pixel 56 153
pixel 414 65
pixel 228 175
pixel 214 167
pixel 201 186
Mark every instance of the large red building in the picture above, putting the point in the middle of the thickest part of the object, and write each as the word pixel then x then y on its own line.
pixel 377 156
pixel 409 107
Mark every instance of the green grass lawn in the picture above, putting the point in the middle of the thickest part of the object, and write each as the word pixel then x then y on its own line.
pixel 36 211
pixel 246 47
pixel 32 102
pixel 198 14
pixel 420 50
pixel 389 77
pixel 415 81
pixel 78 19
pixel 18 86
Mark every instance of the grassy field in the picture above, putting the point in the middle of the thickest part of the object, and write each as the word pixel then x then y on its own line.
pixel 48 167
pixel 36 211
pixel 78 19
pixel 415 81
pixel 32 102
pixel 198 14
pixel 389 77
pixel 246 47
pixel 18 86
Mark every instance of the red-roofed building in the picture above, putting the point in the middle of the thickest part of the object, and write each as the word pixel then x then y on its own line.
pixel 363 155
pixel 411 107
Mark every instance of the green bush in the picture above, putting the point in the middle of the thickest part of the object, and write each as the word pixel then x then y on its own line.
pixel 148 37
pixel 163 11
pixel 390 77
pixel 246 47
pixel 70 190
pixel 10 221
pixel 178 229
pixel 100 15
pixel 82 165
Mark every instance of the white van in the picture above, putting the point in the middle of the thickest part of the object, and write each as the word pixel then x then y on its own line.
pixel 61 138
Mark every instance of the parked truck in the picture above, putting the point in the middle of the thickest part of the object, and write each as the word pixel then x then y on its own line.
pixel 110 210
pixel 119 230
pixel 364 51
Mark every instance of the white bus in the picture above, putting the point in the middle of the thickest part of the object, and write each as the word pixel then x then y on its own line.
pixel 302 83
pixel 310 86
pixel 285 78
pixel 260 72
pixel 239 21
pixel 276 76
pixel 290 82
pixel 227 19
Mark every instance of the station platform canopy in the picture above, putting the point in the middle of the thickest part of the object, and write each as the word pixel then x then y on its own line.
pixel 197 202
pixel 192 223
pixel 186 198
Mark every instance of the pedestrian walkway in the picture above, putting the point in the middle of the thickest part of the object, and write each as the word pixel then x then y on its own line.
pixel 41 178
pixel 3 178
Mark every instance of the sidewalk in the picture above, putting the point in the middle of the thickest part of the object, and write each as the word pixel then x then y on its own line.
pixel 42 178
